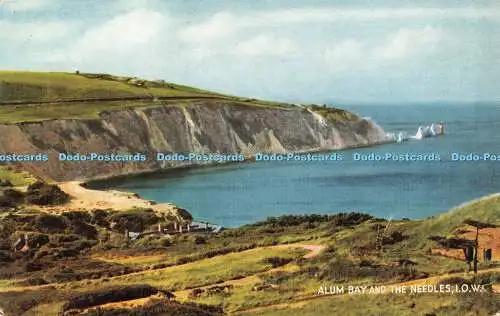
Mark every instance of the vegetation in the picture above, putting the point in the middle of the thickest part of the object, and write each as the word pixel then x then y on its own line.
pixel 248 270
pixel 16 177
pixel 334 114
pixel 84 96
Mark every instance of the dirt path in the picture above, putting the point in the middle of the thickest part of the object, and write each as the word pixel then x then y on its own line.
pixel 304 300
pixel 314 250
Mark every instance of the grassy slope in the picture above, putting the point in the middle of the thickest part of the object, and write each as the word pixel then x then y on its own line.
pixel 16 177
pixel 47 86
pixel 39 86
pixel 300 282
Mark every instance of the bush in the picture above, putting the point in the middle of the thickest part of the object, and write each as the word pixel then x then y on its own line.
pixel 341 219
pixel 33 282
pixel 41 193
pixel 50 223
pixel 34 266
pixel 62 238
pixel 277 261
pixel 133 220
pixel 163 307
pixel 152 242
pixel 5 256
pixel 36 240
pixel 11 198
pixel 198 239
pixel 85 230
pixel 77 216
pixel 110 295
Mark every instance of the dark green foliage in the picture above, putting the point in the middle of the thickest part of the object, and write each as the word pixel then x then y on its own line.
pixel 50 223
pixel 341 219
pixel 5 256
pixel 162 307
pixel 77 216
pixel 277 261
pixel 41 193
pixel 393 238
pixel 33 282
pixel 133 220
pixel 36 240
pixel 34 266
pixel 18 302
pixel 478 224
pixel 109 295
pixel 198 239
pixel 99 217
pixel 11 198
pixel 453 242
pixel 334 114
pixel 84 229
pixel 62 238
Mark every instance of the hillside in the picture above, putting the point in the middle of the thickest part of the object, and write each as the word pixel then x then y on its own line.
pixel 77 261
pixel 37 96
pixel 16 86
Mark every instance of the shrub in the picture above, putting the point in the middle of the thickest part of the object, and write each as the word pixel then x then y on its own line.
pixel 152 242
pixel 277 261
pixel 341 219
pixel 50 223
pixel 41 193
pixel 5 256
pixel 198 239
pixel 85 230
pixel 113 294
pixel 62 238
pixel 33 282
pixel 34 266
pixel 77 216
pixel 133 220
pixel 11 198
pixel 163 307
pixel 36 240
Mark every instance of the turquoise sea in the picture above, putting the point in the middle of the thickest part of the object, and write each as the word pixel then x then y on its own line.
pixel 238 194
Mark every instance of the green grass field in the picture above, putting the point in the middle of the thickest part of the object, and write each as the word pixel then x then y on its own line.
pixel 206 271
pixel 57 87
pixel 16 177
pixel 53 86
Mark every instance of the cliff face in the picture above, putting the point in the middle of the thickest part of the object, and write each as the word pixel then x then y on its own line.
pixel 205 127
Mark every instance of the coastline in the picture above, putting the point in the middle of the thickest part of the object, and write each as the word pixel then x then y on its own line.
pixel 93 182
pixel 86 199
pixel 90 194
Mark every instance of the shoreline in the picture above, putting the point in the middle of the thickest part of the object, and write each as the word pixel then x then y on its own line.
pixel 200 166
pixel 83 198
pixel 87 191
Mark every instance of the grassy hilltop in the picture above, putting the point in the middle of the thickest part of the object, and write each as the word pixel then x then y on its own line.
pixel 38 96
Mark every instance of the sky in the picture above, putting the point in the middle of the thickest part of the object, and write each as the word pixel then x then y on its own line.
pixel 347 51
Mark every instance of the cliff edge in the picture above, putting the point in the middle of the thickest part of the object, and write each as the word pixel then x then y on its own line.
pixel 154 117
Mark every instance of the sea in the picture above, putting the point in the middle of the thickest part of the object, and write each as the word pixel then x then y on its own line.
pixel 238 194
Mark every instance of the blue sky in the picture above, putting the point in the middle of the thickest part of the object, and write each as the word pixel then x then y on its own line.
pixel 301 51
